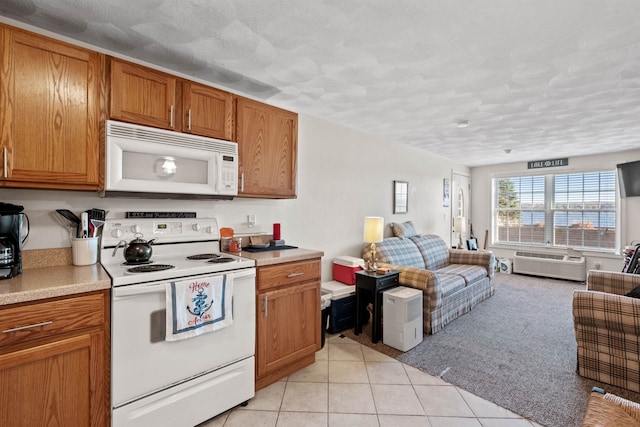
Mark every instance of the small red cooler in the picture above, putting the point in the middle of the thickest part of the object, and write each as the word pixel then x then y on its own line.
pixel 345 267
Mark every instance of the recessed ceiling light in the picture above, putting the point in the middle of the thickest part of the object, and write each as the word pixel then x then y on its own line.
pixel 462 124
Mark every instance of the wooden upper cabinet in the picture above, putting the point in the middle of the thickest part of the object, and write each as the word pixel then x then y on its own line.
pixel 49 112
pixel 149 97
pixel 207 111
pixel 142 95
pixel 267 139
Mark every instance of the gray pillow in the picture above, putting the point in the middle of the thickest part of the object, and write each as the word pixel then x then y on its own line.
pixel 406 229
pixel 634 293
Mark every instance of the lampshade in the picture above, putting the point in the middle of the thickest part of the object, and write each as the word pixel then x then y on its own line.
pixel 373 229
pixel 459 224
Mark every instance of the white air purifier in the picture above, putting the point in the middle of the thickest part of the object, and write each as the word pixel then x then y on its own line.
pixel 402 318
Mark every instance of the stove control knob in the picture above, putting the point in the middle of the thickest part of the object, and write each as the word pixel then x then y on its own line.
pixel 135 228
pixel 196 227
pixel 117 233
pixel 209 230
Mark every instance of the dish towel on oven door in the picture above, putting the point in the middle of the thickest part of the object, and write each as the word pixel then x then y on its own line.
pixel 198 306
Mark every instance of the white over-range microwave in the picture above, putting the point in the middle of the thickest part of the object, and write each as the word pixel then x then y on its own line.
pixel 155 163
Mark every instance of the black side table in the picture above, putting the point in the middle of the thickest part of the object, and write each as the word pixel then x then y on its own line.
pixel 369 287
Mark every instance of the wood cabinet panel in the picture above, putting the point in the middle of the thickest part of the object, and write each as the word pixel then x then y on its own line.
pixel 64 315
pixel 287 319
pixel 267 142
pixel 289 325
pixel 149 97
pixel 208 111
pixel 142 95
pixel 287 274
pixel 57 378
pixel 49 112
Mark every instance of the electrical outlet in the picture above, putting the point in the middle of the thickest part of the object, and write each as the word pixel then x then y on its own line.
pixel 251 220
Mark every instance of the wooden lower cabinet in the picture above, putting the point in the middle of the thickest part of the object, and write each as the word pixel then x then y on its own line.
pixel 288 319
pixel 55 379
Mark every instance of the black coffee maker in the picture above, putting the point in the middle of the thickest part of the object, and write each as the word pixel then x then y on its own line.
pixel 14 230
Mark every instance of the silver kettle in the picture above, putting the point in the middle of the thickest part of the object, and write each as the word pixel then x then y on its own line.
pixel 136 251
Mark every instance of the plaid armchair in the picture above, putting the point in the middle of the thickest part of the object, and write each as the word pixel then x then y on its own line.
pixel 607 328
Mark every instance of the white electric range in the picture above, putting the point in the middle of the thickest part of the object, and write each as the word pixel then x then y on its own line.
pixel 178 383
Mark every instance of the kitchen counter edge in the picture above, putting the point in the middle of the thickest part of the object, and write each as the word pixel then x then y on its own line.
pixel 282 256
pixel 53 281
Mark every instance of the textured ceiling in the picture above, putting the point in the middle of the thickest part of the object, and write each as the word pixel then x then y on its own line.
pixel 542 78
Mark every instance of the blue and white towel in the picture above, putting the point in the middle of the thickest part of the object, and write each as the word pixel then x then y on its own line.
pixel 198 306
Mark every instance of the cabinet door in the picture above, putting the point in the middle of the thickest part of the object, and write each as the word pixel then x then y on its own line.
pixel 142 95
pixel 268 143
pixel 288 326
pixel 208 111
pixel 55 384
pixel 49 112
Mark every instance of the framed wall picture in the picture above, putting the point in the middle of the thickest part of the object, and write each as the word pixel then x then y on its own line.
pixel 400 197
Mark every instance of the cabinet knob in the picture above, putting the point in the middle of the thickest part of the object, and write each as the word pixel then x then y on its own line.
pixel 265 303
pixel 5 168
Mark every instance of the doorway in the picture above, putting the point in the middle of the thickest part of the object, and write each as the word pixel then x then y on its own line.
pixel 460 189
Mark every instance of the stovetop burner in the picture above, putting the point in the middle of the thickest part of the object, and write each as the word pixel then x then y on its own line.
pixel 220 260
pixel 150 268
pixel 137 263
pixel 203 256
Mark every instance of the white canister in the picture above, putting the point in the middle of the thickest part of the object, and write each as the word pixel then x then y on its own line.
pixel 84 250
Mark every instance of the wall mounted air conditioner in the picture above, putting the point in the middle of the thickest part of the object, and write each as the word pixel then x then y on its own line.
pixel 559 266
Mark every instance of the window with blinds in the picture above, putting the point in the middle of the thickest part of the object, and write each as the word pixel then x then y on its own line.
pixel 575 210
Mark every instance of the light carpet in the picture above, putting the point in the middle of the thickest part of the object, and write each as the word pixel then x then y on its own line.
pixel 516 349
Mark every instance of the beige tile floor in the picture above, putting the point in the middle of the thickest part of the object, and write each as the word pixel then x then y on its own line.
pixel 353 385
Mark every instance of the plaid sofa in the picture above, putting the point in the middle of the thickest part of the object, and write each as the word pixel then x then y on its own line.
pixel 452 281
pixel 607 328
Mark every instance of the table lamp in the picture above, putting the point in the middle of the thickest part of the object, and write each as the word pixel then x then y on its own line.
pixel 373 233
pixel 460 226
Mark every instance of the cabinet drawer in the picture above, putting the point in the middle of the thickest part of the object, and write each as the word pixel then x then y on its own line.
pixel 289 273
pixel 389 281
pixel 43 319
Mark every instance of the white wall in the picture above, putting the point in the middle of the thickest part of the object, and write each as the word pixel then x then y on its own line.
pixel 629 207
pixel 343 176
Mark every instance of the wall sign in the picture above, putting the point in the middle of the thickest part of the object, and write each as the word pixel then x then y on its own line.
pixel 548 163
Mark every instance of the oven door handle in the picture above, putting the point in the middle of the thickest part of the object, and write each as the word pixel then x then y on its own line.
pixel 248 272
pixel 127 291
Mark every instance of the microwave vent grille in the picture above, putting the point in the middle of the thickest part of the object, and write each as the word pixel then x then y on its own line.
pixel 177 139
